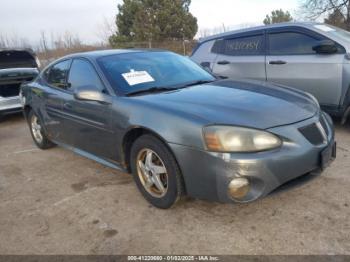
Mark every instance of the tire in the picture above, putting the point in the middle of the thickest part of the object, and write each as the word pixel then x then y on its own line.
pixel 44 142
pixel 161 158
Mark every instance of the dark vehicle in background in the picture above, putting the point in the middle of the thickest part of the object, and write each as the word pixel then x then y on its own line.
pixel 16 67
pixel 175 127
pixel 312 57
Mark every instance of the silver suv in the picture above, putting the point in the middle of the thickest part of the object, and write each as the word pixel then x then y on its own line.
pixel 312 57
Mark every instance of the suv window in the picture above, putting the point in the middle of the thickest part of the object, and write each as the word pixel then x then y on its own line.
pixel 248 45
pixel 57 74
pixel 82 73
pixel 291 43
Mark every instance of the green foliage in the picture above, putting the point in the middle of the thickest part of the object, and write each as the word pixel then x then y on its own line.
pixel 154 20
pixel 278 16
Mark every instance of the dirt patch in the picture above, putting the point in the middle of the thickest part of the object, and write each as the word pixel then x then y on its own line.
pixel 110 233
pixel 79 187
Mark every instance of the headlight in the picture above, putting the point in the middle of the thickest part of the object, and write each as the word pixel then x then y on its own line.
pixel 239 139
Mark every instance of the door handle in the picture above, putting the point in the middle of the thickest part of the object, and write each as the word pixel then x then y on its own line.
pixel 224 62
pixel 277 62
pixel 205 64
pixel 67 105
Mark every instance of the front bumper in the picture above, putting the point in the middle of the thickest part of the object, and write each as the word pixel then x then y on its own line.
pixel 10 104
pixel 208 174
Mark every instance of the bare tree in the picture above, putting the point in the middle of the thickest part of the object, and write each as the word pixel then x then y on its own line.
pixel 14 41
pixel 44 45
pixel 106 29
pixel 314 9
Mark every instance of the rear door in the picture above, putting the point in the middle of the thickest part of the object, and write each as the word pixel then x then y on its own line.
pixel 291 61
pixel 241 56
pixel 88 122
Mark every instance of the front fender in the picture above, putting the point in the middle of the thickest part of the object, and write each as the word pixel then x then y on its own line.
pixel 171 125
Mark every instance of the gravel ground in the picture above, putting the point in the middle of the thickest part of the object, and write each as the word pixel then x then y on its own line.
pixel 56 202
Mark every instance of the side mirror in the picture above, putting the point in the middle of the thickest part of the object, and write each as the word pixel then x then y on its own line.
pixel 325 47
pixel 91 93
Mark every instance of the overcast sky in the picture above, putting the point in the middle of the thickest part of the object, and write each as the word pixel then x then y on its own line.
pixel 27 18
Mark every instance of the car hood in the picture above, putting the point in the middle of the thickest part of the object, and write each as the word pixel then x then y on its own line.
pixel 243 103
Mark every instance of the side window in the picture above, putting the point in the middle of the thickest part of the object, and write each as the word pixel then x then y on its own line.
pixel 218 47
pixel 57 74
pixel 240 46
pixel 291 43
pixel 82 73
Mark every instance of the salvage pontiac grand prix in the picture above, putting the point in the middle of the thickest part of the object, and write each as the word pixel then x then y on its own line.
pixel 175 127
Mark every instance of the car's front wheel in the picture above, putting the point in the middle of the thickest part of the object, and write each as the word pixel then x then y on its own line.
pixel 37 132
pixel 156 172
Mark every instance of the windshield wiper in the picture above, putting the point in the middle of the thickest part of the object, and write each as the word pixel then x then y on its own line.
pixel 199 82
pixel 157 89
pixel 154 89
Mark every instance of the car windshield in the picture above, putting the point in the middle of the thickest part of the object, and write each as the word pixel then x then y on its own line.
pixel 138 71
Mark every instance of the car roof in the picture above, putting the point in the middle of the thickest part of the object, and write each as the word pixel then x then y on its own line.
pixel 263 27
pixel 100 53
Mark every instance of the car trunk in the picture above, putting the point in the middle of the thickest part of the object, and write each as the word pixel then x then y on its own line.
pixel 17 59
pixel 16 67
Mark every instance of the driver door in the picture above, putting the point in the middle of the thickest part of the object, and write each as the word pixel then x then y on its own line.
pixel 88 122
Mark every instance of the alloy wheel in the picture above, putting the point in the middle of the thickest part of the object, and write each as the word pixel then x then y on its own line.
pixel 36 129
pixel 152 173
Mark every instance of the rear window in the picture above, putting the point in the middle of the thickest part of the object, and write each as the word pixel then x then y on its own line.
pixel 239 46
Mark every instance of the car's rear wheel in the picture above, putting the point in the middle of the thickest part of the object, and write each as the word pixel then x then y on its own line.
pixel 37 132
pixel 156 172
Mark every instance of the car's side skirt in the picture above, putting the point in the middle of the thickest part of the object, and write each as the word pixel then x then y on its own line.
pixel 88 155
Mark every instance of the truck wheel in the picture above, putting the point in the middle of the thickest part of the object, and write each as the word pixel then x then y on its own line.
pixel 156 172
pixel 38 134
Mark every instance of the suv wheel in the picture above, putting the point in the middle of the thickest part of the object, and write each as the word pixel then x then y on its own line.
pixel 37 132
pixel 156 172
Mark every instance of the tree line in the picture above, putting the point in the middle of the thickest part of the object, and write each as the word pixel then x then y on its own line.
pixel 170 21
pixel 161 20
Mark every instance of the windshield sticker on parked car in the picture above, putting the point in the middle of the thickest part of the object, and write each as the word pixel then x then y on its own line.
pixel 137 77
pixel 324 28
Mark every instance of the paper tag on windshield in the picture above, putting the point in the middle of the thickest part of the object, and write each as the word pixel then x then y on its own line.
pixel 324 28
pixel 137 77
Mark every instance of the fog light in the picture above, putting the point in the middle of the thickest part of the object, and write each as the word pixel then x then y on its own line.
pixel 239 187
